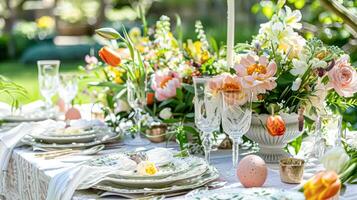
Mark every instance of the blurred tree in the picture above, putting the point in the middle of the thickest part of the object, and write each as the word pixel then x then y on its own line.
pixel 8 12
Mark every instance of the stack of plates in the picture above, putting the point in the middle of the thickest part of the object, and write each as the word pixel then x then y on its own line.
pixel 80 138
pixel 174 178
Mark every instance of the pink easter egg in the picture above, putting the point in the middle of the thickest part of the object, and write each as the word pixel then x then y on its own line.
pixel 61 105
pixel 252 171
pixel 72 114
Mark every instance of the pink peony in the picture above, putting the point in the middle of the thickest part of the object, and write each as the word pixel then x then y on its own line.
pixel 343 78
pixel 232 88
pixel 164 84
pixel 257 73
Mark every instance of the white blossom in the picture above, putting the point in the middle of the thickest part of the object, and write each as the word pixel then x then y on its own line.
pixel 335 158
pixel 296 84
pixel 165 113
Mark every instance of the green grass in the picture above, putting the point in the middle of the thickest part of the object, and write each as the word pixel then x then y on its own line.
pixel 26 76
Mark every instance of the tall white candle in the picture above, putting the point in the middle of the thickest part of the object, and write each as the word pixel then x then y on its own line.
pixel 230 34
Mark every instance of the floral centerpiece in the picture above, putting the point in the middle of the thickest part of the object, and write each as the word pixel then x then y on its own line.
pixel 292 79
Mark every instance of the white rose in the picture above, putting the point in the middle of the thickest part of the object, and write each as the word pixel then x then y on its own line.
pixel 165 113
pixel 122 106
pixel 334 159
pixel 296 84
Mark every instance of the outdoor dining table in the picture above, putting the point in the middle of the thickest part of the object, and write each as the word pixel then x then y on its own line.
pixel 28 176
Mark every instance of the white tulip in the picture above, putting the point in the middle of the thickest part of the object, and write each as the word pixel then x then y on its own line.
pixel 334 159
pixel 122 106
pixel 165 113
pixel 296 84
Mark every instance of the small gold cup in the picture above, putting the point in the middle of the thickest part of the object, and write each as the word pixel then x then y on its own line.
pixel 291 170
pixel 157 133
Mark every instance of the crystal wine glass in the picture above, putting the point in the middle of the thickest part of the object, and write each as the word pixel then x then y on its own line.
pixel 136 95
pixel 327 133
pixel 236 118
pixel 207 112
pixel 48 79
pixel 68 88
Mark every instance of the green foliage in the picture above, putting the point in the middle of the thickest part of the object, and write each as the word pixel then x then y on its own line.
pixel 11 89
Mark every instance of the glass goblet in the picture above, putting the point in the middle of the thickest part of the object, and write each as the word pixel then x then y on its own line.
pixel 48 79
pixel 136 95
pixel 207 112
pixel 68 88
pixel 236 118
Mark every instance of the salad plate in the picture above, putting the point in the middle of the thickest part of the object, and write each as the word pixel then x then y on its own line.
pixel 178 166
pixel 64 140
pixel 72 131
pixel 156 182
pixel 99 140
pixel 18 119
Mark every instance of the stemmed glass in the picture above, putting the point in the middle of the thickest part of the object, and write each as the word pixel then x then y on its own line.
pixel 207 112
pixel 236 118
pixel 48 79
pixel 328 133
pixel 68 88
pixel 136 95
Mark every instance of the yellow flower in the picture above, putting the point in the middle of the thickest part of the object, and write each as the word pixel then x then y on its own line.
pixel 195 51
pixel 147 168
pixel 45 22
pixel 117 74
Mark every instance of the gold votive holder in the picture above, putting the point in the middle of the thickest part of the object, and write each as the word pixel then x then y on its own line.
pixel 156 133
pixel 291 170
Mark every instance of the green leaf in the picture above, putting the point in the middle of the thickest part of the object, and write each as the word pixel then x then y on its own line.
pixel 190 115
pixel 166 102
pixel 179 94
pixel 285 78
pixel 189 88
pixel 180 107
pixel 108 33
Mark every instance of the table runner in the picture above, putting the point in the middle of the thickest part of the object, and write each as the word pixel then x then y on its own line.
pixel 28 177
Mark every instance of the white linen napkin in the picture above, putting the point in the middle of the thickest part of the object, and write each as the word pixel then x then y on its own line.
pixel 9 140
pixel 12 138
pixel 81 176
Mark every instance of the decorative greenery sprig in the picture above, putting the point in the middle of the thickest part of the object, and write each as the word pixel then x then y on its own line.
pixel 13 90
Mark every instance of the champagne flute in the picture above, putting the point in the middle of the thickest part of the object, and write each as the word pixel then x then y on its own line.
pixel 48 79
pixel 207 112
pixel 136 95
pixel 68 88
pixel 236 118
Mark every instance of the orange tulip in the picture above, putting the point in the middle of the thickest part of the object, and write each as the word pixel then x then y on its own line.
pixel 110 56
pixel 322 186
pixel 150 98
pixel 275 125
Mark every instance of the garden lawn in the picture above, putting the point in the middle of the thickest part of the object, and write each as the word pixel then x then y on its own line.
pixel 26 76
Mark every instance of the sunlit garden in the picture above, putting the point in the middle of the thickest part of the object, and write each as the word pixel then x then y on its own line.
pixel 178 99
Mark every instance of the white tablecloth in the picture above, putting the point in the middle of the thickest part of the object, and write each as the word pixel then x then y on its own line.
pixel 28 176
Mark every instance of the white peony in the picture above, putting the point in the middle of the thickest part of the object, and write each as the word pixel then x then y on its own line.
pixel 165 113
pixel 334 159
